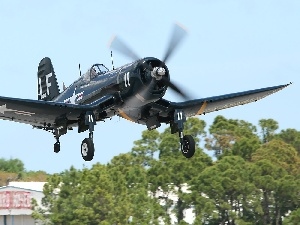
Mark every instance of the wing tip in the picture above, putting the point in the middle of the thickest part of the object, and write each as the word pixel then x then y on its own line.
pixel 286 85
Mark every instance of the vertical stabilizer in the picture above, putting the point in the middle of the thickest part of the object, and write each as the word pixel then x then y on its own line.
pixel 48 87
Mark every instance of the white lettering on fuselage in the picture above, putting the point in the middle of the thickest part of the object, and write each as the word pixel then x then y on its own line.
pixel 90 118
pixel 179 116
pixel 126 79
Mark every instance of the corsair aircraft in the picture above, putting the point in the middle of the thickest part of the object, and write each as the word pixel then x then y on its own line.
pixel 134 91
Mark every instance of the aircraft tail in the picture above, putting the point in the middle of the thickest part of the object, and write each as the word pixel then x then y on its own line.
pixel 48 87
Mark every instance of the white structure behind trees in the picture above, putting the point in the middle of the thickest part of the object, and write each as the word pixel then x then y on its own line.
pixel 15 202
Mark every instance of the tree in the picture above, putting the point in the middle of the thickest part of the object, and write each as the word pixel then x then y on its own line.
pixel 141 206
pixel 222 193
pixel 104 194
pixel 224 133
pixel 170 173
pixel 145 148
pixel 286 197
pixel 175 171
pixel 280 154
pixel 293 218
pixel 6 177
pixel 253 181
pixel 268 128
pixel 265 176
pixel 77 197
pixel 12 165
pixel 276 175
pixel 39 176
pixel 11 170
pixel 245 147
pixel 292 137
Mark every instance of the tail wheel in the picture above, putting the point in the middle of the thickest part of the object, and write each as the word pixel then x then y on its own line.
pixel 188 146
pixel 57 147
pixel 87 149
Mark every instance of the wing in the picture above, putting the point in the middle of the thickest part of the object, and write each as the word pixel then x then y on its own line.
pixel 216 103
pixel 45 113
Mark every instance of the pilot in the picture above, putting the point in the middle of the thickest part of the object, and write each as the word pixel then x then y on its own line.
pixel 93 73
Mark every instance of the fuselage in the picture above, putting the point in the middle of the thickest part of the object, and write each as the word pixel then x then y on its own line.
pixel 132 82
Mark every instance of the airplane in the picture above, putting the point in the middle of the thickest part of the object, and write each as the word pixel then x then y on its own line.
pixel 133 91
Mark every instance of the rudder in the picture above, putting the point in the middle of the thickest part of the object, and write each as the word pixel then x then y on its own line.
pixel 48 87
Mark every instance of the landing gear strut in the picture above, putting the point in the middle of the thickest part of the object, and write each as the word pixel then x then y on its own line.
pixel 57 143
pixel 86 122
pixel 187 143
pixel 87 145
pixel 58 131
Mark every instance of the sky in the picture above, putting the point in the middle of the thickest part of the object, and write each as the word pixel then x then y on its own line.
pixel 231 46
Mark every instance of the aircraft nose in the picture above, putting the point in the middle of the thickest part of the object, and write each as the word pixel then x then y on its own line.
pixel 158 72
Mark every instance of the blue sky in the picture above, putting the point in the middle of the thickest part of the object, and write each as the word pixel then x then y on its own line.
pixel 231 46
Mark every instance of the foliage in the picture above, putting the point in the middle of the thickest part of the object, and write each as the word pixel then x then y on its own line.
pixel 6 177
pixel 290 136
pixel 11 165
pixel 225 133
pixel 268 128
pixel 255 180
pixel 293 218
pixel 14 170
pixel 38 176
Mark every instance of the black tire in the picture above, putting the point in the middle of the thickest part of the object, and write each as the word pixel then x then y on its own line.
pixel 57 147
pixel 87 149
pixel 188 146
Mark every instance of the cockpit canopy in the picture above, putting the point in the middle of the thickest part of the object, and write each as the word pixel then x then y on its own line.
pixel 95 71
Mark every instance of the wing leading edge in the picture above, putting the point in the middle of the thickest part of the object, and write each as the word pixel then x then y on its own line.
pixel 216 103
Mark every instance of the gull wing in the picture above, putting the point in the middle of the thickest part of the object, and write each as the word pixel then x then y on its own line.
pixel 44 113
pixel 216 103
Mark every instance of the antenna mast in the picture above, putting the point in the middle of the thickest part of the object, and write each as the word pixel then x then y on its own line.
pixel 79 70
pixel 112 60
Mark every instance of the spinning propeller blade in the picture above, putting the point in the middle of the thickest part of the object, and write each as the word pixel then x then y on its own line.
pixel 175 88
pixel 121 47
pixel 179 32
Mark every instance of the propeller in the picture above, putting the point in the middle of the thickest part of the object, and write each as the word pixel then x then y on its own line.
pixel 175 88
pixel 117 44
pixel 179 32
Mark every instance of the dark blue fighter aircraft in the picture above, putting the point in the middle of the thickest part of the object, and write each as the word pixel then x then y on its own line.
pixel 134 91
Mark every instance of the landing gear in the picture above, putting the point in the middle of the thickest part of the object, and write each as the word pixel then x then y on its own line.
pixel 188 146
pixel 187 143
pixel 87 145
pixel 61 128
pixel 57 147
pixel 87 149
pixel 57 143
pixel 87 121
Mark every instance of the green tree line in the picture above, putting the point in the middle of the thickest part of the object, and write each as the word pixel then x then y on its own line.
pixel 254 179
pixel 14 170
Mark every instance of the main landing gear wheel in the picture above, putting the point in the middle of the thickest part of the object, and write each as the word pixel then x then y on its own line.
pixel 87 149
pixel 188 146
